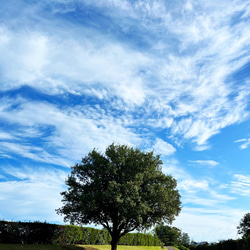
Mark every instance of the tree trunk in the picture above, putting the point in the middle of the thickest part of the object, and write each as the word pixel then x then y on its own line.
pixel 113 246
pixel 114 242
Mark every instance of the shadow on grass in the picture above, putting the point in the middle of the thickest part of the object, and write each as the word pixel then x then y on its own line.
pixel 43 247
pixel 64 247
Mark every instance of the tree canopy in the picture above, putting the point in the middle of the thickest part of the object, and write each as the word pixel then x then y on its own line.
pixel 244 226
pixel 172 235
pixel 184 239
pixel 168 235
pixel 123 189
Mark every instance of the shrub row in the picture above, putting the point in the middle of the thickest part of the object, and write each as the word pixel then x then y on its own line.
pixel 44 233
pixel 240 244
pixel 139 239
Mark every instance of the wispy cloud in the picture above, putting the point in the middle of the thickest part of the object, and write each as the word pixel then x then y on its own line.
pixel 196 191
pixel 5 136
pixel 219 223
pixel 244 143
pixel 31 152
pixel 74 131
pixel 163 148
pixel 190 83
pixel 36 193
pixel 207 163
pixel 190 185
pixel 85 62
pixel 241 185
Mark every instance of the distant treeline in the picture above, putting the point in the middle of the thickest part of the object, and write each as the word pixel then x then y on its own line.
pixel 45 233
pixel 240 244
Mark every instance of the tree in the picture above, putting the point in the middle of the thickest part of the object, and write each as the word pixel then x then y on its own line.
pixel 168 235
pixel 122 190
pixel 184 239
pixel 244 226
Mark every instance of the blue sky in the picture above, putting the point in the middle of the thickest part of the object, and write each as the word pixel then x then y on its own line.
pixel 168 76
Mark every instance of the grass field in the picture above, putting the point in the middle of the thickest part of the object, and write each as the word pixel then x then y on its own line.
pixel 108 247
pixel 37 247
pixel 78 247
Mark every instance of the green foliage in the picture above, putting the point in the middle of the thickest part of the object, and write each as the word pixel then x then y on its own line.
pixel 122 190
pixel 93 236
pixel 70 235
pixel 82 235
pixel 184 239
pixel 27 232
pixel 241 244
pixel 168 235
pixel 139 239
pixel 43 233
pixel 244 226
pixel 248 242
pixel 104 237
pixel 181 247
pixel 229 245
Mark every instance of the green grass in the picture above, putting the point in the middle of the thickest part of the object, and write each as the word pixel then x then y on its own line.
pixel 108 247
pixel 78 247
pixel 37 247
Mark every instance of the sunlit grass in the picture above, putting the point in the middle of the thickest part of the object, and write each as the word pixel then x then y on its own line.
pixel 108 247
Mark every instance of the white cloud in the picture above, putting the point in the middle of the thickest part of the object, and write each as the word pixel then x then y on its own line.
pixel 221 198
pixel 46 63
pixel 189 6
pixel 192 186
pixel 247 12
pixel 241 140
pixel 75 131
pixel 241 185
pixel 4 36
pixel 210 201
pixel 209 163
pixel 32 152
pixel 5 136
pixel 36 194
pixel 191 79
pixel 209 225
pixel 172 166
pixel 196 191
pixel 242 178
pixel 163 148
pixel 244 143
pixel 23 57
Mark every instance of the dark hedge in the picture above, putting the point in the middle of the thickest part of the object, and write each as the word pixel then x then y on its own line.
pixel 45 233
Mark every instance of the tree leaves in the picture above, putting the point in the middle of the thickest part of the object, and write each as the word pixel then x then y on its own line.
pixel 244 226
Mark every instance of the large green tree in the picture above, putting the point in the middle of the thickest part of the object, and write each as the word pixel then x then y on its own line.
pixel 123 189
pixel 244 226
